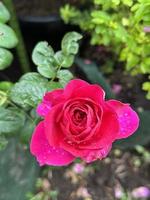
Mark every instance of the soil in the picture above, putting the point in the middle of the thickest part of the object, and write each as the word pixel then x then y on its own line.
pixel 101 179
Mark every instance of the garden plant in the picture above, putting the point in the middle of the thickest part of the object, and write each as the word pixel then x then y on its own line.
pixel 53 117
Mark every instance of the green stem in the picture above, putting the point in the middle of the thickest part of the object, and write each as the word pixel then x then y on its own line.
pixel 57 69
pixel 20 48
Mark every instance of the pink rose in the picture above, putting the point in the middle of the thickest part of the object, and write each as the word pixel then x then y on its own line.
pixel 78 122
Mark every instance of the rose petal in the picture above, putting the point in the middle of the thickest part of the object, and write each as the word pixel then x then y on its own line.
pixel 97 154
pixel 49 100
pixel 94 92
pixel 107 132
pixel 79 88
pixel 46 154
pixel 52 126
pixel 43 108
pixel 128 118
pixel 54 97
pixel 74 85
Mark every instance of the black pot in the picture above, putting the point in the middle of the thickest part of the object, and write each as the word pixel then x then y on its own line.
pixel 50 28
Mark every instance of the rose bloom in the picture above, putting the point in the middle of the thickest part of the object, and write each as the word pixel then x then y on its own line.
pixel 79 123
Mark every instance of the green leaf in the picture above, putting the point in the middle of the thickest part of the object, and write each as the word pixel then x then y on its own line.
pixel 47 71
pixel 43 54
pixel 3 98
pixel 64 76
pixel 5 85
pixel 64 60
pixel 29 90
pixel 26 132
pixel 3 142
pixel 94 75
pixel 8 37
pixel 140 137
pixel 18 172
pixel 4 14
pixel 54 85
pixel 69 43
pixel 10 120
pixel 6 58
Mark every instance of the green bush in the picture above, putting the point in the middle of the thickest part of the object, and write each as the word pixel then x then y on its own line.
pixel 121 26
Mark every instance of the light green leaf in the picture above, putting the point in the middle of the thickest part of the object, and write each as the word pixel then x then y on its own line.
pixel 10 120
pixel 69 43
pixel 46 71
pixel 43 54
pixel 4 14
pixel 29 90
pixel 8 37
pixel 3 98
pixel 64 76
pixel 6 58
pixel 146 86
pixel 5 85
pixel 64 60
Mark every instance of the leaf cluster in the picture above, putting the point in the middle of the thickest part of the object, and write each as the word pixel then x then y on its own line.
pixel 8 38
pixel 120 25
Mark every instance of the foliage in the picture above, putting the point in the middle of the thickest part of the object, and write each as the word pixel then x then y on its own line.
pixel 18 101
pixel 18 172
pixel 146 87
pixel 141 136
pixel 8 38
pixel 119 25
pixel 18 115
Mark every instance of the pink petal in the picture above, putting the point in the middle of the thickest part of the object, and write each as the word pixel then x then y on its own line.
pixel 81 89
pixel 128 118
pixel 46 154
pixel 43 108
pixel 52 126
pixel 97 154
pixel 107 132
pixel 74 85
pixel 94 92
pixel 49 100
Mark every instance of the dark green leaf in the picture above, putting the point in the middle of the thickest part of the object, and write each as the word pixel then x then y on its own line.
pixel 3 142
pixel 6 58
pixel 29 90
pixel 11 120
pixel 8 37
pixel 18 172
pixel 26 132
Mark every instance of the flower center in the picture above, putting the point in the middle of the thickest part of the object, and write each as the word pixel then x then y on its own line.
pixel 79 116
